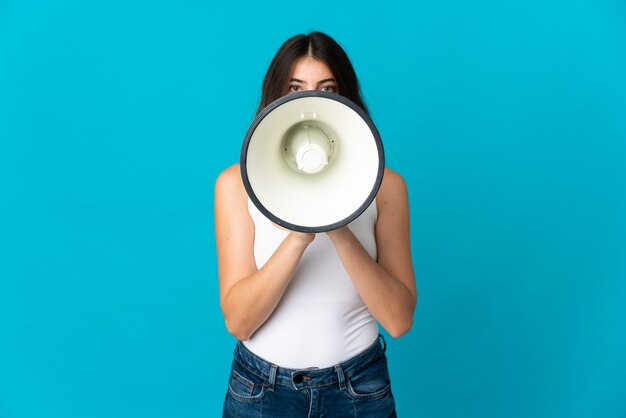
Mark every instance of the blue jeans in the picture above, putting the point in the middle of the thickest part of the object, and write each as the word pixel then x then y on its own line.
pixel 358 387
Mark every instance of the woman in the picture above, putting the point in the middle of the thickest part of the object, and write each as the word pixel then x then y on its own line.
pixel 306 307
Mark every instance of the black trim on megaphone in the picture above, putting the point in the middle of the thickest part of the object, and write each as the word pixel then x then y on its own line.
pixel 295 96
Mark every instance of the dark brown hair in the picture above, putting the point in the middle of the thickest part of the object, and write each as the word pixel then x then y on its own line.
pixel 321 47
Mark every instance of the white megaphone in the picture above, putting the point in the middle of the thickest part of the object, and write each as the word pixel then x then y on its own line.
pixel 312 161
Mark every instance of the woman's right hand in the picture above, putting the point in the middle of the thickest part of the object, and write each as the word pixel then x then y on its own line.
pixel 303 237
pixel 248 293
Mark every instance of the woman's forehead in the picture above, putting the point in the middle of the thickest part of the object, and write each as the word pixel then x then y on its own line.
pixel 309 67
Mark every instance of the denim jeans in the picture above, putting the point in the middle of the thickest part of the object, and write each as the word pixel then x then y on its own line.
pixel 358 387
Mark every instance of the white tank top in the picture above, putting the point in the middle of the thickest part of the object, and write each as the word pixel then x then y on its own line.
pixel 321 320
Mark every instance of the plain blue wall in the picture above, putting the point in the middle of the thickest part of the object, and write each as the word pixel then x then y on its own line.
pixel 507 120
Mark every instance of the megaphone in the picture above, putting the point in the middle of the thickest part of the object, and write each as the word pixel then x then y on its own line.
pixel 312 161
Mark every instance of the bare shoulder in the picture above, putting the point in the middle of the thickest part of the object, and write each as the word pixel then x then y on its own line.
pixel 229 189
pixel 392 189
pixel 231 177
pixel 229 181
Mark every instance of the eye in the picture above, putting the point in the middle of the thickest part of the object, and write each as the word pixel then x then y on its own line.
pixel 329 89
pixel 294 88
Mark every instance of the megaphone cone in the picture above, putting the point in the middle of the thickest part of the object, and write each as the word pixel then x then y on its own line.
pixel 312 161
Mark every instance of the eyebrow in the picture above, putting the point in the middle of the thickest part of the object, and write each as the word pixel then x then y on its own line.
pixel 326 80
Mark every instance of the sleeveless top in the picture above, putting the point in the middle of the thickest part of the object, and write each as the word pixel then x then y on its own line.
pixel 320 320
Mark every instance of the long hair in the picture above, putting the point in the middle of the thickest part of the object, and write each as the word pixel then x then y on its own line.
pixel 317 45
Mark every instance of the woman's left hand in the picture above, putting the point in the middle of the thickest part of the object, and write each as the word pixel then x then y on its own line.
pixel 339 233
pixel 387 284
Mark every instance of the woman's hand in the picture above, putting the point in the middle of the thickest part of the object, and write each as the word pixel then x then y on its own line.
pixel 339 233
pixel 303 237
pixel 386 285
pixel 248 295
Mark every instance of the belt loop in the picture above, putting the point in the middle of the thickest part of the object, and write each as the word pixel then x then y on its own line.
pixel 342 379
pixel 384 343
pixel 272 378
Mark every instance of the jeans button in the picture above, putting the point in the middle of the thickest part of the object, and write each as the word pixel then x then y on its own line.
pixel 298 379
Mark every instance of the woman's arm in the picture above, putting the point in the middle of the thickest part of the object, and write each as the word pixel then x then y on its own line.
pixel 248 295
pixel 387 286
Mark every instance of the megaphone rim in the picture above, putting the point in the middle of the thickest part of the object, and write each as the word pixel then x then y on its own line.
pixel 295 96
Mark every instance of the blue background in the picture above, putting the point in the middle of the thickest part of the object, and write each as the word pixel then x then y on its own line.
pixel 506 119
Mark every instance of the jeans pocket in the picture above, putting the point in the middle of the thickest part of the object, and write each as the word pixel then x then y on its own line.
pixel 245 387
pixel 371 383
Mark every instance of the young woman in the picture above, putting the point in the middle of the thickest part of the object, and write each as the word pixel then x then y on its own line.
pixel 306 307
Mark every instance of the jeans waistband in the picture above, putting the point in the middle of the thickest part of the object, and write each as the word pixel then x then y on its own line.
pixel 310 377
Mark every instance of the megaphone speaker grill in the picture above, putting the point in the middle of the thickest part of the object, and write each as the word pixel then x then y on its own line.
pixel 312 161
